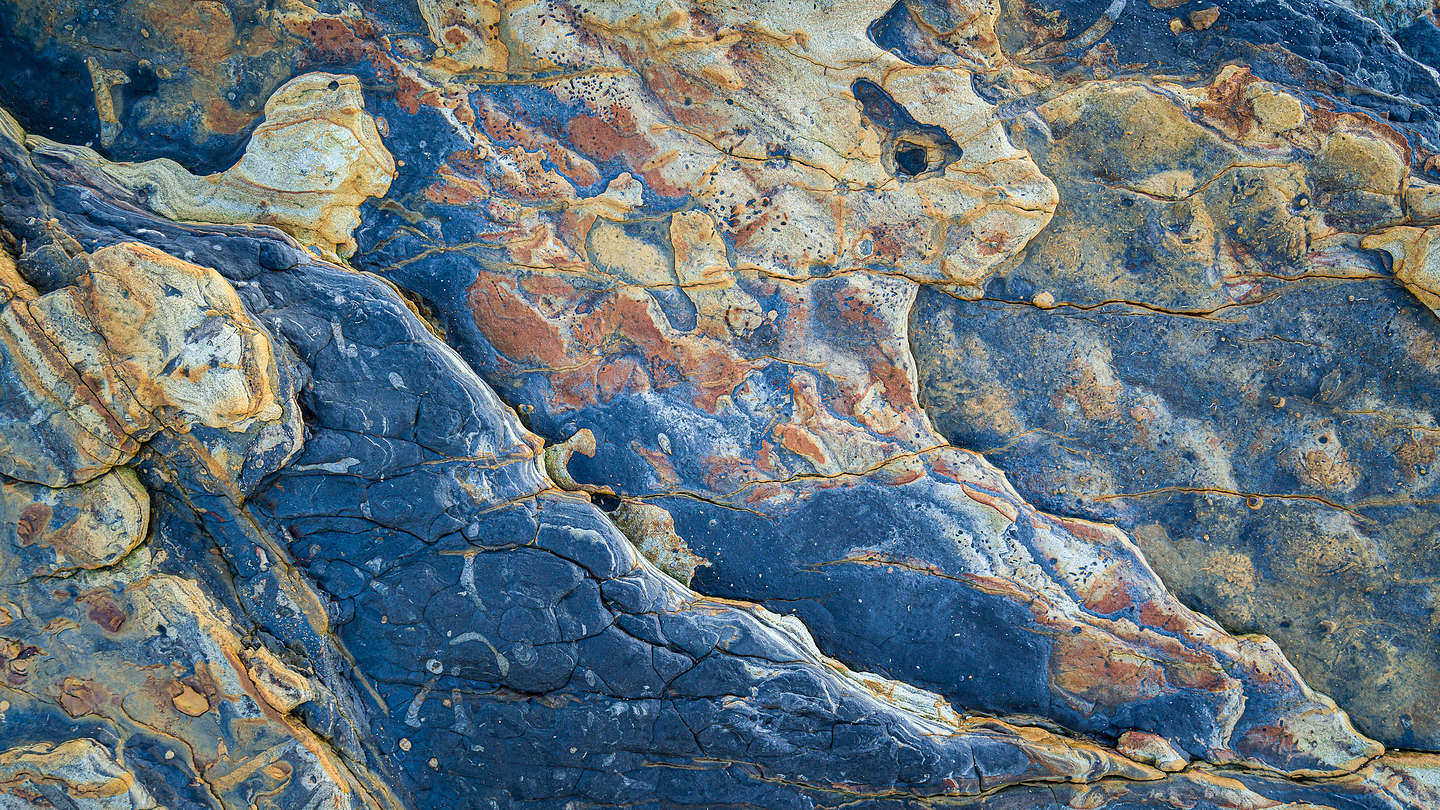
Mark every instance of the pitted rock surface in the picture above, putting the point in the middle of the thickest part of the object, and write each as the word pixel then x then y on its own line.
pixel 694 404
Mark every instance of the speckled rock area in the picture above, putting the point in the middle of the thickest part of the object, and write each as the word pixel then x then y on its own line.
pixel 449 404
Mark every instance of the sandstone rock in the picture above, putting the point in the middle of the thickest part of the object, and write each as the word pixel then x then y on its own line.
pixel 307 167
pixel 1412 252
pixel 1223 431
pixel 81 771
pixel 157 336
pixel 91 525
pixel 797 409
pixel 829 311
pixel 1151 750
pixel 55 430
pixel 652 530
pixel 282 687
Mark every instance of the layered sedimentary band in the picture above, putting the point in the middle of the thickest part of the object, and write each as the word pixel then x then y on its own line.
pixel 689 404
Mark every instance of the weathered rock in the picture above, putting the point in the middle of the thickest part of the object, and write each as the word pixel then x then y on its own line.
pixel 1222 390
pixel 139 342
pixel 87 526
pixel 1412 253
pixel 281 530
pixel 154 336
pixel 652 530
pixel 1151 750
pixel 306 169
pixel 79 772
pixel 54 429
pixel 783 334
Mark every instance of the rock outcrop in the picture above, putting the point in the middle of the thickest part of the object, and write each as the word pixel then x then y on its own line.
pixel 753 404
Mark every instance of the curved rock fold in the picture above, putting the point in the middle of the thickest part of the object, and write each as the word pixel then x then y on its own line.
pixel 586 405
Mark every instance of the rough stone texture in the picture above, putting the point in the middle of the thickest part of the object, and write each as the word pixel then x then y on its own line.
pixel 1227 369
pixel 312 160
pixel 699 404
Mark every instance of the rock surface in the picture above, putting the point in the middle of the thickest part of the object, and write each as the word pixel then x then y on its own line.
pixel 696 404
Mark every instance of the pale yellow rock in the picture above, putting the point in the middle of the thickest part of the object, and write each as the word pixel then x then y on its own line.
pixel 875 412
pixel 1173 184
pixel 629 260
pixel 1422 200
pixel 307 168
pixel 191 357
pixel 1151 749
pixel 87 526
pixel 82 768
pixel 466 34
pixel 102 83
pixel 1360 160
pixel 189 701
pixel 794 85
pixel 651 530
pixel 54 429
pixel 703 269
pixel 279 685
pixel 1275 110
pixel 557 458
pixel 200 354
pixel 141 342
pixel 1415 258
pixel 963 272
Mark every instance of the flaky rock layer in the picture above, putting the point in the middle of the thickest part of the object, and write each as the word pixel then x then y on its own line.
pixel 717 405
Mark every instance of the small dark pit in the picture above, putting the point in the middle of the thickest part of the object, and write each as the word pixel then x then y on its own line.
pixel 911 160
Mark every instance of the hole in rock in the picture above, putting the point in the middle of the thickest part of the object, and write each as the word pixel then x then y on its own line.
pixel 143 82
pixel 911 159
